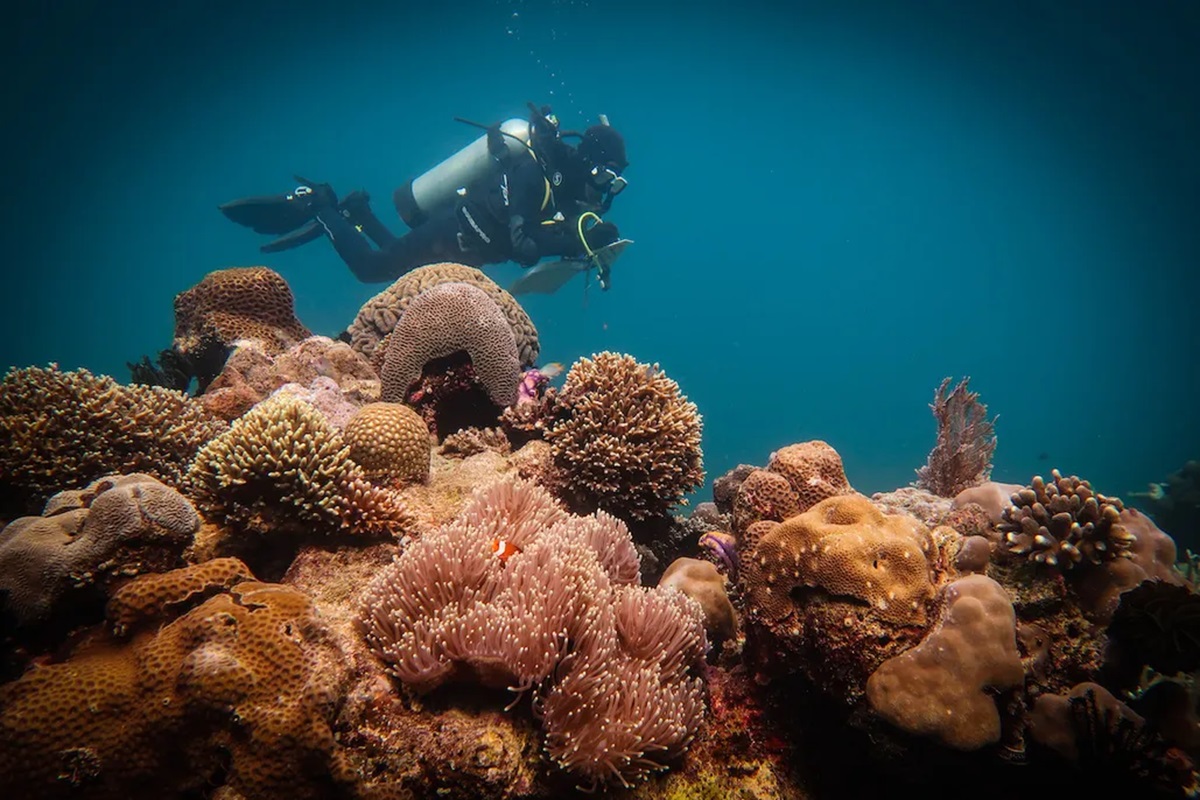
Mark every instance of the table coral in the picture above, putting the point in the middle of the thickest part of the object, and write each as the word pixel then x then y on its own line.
pixel 445 319
pixel 282 468
pixel 939 688
pixel 239 690
pixel 238 303
pixel 625 438
pixel 63 429
pixel 390 442
pixel 113 529
pixel 379 315
pixel 611 663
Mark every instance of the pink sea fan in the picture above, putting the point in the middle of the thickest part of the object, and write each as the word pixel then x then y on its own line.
pixel 966 442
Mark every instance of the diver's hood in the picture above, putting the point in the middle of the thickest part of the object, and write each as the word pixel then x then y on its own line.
pixel 602 145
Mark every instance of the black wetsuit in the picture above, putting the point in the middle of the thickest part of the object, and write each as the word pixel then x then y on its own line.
pixel 507 215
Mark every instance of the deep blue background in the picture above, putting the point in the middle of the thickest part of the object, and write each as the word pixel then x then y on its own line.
pixel 835 205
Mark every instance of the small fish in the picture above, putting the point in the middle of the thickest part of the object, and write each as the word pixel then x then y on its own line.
pixel 1043 456
pixel 504 549
pixel 552 370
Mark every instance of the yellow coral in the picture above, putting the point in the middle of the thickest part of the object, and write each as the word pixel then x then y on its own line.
pixel 389 441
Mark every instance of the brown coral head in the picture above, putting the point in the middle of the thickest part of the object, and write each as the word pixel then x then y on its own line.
pixel 625 438
pixel 1063 522
pixel 239 303
pixel 814 469
pixel 390 442
pixel 446 319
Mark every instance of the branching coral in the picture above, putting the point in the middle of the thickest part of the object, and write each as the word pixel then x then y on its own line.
pixel 63 429
pixel 1063 523
pixel 611 663
pixel 625 439
pixel 966 442
pixel 283 468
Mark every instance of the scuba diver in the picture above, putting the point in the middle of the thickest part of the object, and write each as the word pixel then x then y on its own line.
pixel 519 193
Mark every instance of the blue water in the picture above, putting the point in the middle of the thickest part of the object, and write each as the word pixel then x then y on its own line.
pixel 834 206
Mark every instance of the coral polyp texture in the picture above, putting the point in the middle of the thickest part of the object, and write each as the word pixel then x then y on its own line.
pixel 379 315
pixel 612 666
pixel 445 319
pixel 238 690
pixel 1062 522
pixel 60 430
pixel 109 531
pixel 940 687
pixel 237 303
pixel 390 442
pixel 283 468
pixel 625 439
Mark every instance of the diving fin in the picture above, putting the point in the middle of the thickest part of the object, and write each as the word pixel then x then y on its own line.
pixel 309 232
pixel 277 214
pixel 550 276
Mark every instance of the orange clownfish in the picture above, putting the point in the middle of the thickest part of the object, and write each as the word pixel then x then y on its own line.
pixel 504 549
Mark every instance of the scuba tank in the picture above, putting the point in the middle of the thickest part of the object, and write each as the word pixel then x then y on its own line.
pixel 421 197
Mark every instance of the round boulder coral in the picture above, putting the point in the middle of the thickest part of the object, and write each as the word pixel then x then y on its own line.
pixel 625 439
pixel 390 442
pixel 239 303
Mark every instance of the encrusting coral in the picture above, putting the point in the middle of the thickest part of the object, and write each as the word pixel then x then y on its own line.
pixel 390 442
pixel 445 319
pixel 283 468
pixel 379 315
pixel 625 438
pixel 238 303
pixel 113 529
pixel 239 691
pixel 517 593
pixel 63 429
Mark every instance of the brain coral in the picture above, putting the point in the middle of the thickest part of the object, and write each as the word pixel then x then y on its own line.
pixel 939 688
pixel 68 428
pixel 445 319
pixel 625 439
pixel 379 315
pixel 283 468
pixel 612 664
pixel 390 442
pixel 240 690
pixel 239 303
pixel 115 528
pixel 1063 522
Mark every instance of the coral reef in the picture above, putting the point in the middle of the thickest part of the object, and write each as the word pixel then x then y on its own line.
pixel 814 469
pixel 700 581
pixel 63 429
pixel 111 530
pixel 233 304
pixel 470 441
pixel 445 319
pixel 379 315
pixel 966 442
pixel 282 468
pixel 625 439
pixel 390 442
pixel 1156 624
pixel 238 691
pixel 611 663
pixel 939 688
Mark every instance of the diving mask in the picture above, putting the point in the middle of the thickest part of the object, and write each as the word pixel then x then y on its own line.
pixel 609 180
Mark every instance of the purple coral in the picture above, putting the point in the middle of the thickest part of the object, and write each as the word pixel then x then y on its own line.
pixel 966 442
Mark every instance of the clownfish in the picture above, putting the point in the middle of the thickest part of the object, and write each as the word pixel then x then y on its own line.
pixel 504 549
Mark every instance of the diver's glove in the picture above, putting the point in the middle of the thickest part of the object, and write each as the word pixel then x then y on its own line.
pixel 600 235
